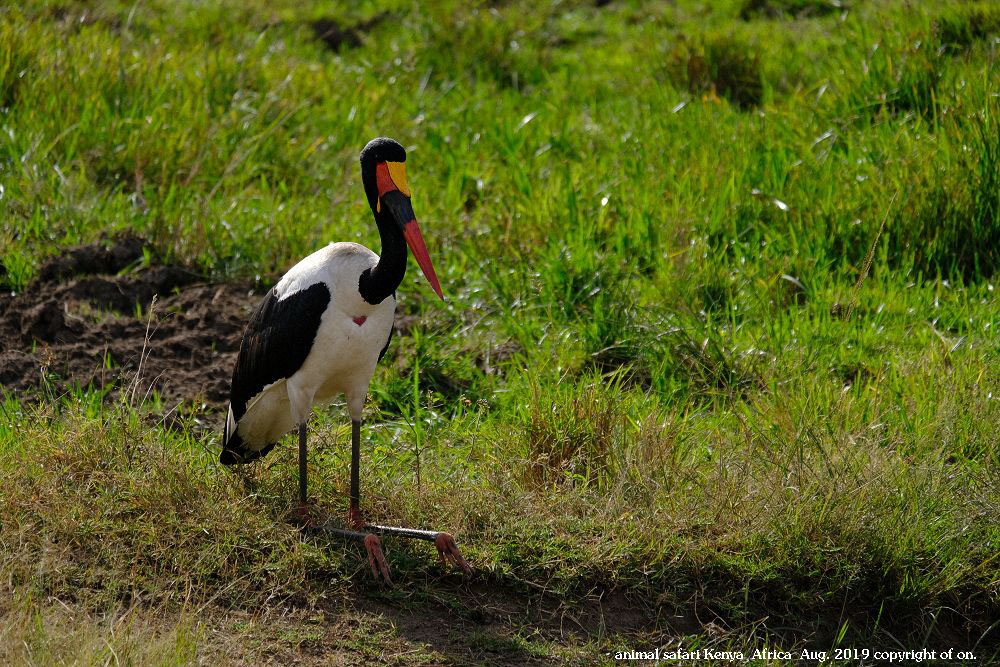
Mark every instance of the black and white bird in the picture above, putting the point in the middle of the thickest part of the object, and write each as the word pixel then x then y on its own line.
pixel 320 331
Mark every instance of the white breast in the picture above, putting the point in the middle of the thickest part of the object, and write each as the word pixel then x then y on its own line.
pixel 343 354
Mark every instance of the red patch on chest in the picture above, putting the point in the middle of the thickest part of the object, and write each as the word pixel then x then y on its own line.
pixel 359 320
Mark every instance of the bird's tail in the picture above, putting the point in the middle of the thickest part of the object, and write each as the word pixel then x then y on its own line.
pixel 232 444
pixel 230 427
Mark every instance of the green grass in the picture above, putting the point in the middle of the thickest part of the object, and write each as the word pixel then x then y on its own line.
pixel 680 356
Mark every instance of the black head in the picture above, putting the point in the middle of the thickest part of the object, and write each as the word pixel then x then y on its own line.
pixel 383 171
pixel 380 149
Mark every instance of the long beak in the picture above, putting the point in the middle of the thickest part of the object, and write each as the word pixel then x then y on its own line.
pixel 399 205
pixel 411 232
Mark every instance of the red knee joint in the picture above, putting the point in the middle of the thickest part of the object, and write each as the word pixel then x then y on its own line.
pixel 355 519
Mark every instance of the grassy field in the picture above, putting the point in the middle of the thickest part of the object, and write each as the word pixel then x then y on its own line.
pixel 717 358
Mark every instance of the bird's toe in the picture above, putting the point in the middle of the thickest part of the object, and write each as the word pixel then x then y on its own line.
pixel 380 569
pixel 449 553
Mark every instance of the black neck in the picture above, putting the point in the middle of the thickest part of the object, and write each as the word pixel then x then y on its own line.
pixel 378 283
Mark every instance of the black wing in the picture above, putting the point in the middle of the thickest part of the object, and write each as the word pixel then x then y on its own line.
pixel 385 348
pixel 276 342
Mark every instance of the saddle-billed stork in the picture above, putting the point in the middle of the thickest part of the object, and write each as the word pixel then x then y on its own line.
pixel 320 331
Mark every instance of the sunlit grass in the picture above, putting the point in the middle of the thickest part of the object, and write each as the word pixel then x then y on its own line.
pixel 656 369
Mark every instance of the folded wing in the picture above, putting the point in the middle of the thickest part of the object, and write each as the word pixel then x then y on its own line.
pixel 275 344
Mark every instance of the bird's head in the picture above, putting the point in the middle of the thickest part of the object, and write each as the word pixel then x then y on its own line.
pixel 383 172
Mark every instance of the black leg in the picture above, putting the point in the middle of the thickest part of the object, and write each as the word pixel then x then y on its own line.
pixel 428 535
pixel 337 532
pixel 445 543
pixel 302 463
pixel 355 466
pixel 370 542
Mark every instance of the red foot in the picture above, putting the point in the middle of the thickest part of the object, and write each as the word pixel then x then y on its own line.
pixel 449 553
pixel 376 559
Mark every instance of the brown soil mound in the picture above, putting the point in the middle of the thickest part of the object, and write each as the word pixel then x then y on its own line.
pixel 88 332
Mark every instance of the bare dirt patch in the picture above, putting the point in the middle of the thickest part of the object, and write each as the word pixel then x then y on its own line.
pixel 337 35
pixel 82 323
